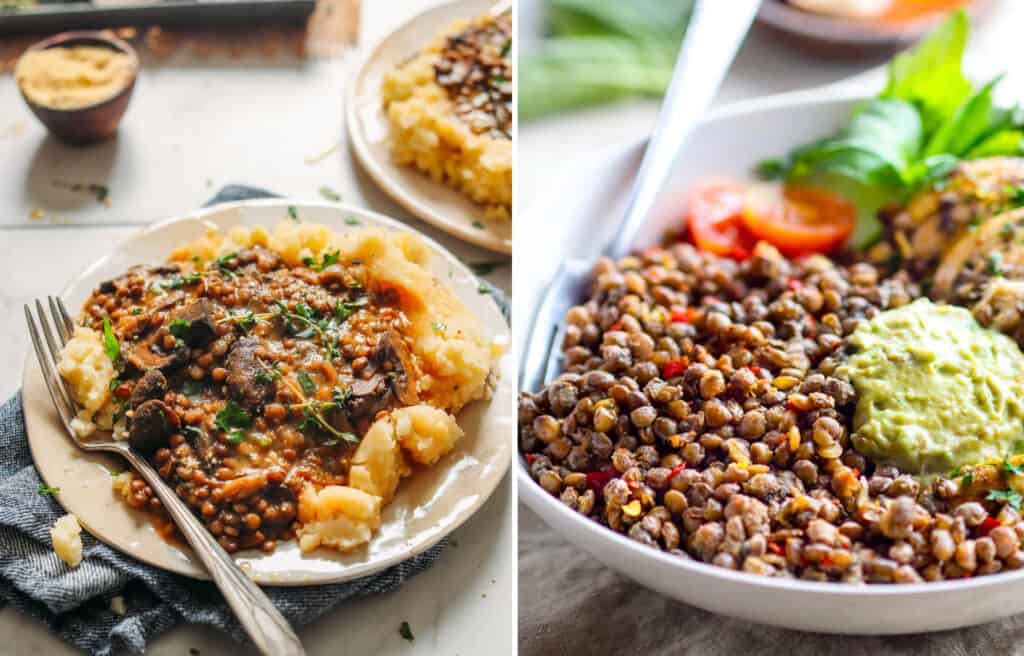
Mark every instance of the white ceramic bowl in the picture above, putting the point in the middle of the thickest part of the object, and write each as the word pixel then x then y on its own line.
pixel 729 142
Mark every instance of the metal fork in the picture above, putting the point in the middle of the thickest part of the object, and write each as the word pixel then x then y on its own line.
pixel 267 628
pixel 715 33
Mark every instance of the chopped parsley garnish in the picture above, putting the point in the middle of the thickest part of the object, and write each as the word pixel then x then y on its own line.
pixel 439 327
pixel 1009 497
pixel 269 372
pixel 222 264
pixel 330 194
pixel 307 384
pixel 161 286
pixel 110 343
pixel 483 289
pixel 478 225
pixel 354 284
pixel 343 310
pixel 178 327
pixel 405 631
pixel 114 384
pixel 231 419
pixel 995 263
pixel 262 440
pixel 327 260
pixel 136 311
pixel 1011 468
pixel 505 49
pixel 293 214
pixel 968 477
pixel 484 268
pixel 42 489
pixel 351 220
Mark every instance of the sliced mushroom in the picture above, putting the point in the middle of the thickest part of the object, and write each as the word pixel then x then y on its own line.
pixel 142 356
pixel 200 325
pixel 405 370
pixel 152 385
pixel 244 383
pixel 153 423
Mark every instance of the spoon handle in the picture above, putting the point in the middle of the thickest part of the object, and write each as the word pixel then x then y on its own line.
pixel 713 36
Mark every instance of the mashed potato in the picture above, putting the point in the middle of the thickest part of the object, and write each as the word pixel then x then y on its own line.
pixel 66 535
pixel 426 133
pixel 88 371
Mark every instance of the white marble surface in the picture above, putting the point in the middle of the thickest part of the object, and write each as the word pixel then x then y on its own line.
pixel 192 128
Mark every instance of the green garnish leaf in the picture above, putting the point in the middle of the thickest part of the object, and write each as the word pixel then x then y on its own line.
pixel 327 260
pixel 110 343
pixel 307 384
pixel 341 396
pixel 330 194
pixel 43 489
pixel 1011 468
pixel 478 225
pixel 293 213
pixel 235 436
pixel 344 309
pixel 114 384
pixel 995 263
pixel 260 439
pixel 405 631
pixel 231 418
pixel 178 327
pixel 483 289
pixel 438 326
pixel 136 311
pixel 968 478
pixel 1009 497
pixel 352 221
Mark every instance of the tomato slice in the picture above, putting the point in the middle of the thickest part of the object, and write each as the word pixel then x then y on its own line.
pixel 798 220
pixel 714 216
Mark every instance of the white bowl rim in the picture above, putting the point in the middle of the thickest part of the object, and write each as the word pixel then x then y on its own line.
pixel 536 498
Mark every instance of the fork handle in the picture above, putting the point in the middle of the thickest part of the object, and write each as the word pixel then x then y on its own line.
pixel 267 628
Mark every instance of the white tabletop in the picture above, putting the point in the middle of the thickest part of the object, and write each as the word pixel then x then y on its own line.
pixel 193 127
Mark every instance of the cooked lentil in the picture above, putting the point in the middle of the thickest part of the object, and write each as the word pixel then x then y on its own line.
pixel 698 412
pixel 262 377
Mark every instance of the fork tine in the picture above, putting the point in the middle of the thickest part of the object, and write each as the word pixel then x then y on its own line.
pixel 65 326
pixel 58 394
pixel 58 321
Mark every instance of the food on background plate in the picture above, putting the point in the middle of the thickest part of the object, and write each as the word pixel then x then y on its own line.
pixel 828 414
pixel 450 111
pixel 885 12
pixel 282 382
pixel 72 77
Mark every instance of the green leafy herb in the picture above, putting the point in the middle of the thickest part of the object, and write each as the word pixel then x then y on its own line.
pixel 1009 497
pixel 114 384
pixel 293 213
pixel 484 268
pixel 340 397
pixel 231 419
pixel 927 119
pixel 1011 468
pixel 110 343
pixel 483 289
pixel 307 384
pixel 193 388
pixel 352 221
pixel 405 631
pixel 327 260
pixel 968 478
pixel 599 51
pixel 330 194
pixel 344 309
pixel 995 263
pixel 195 430
pixel 505 49
pixel 178 327
pixel 268 372
pixel 438 326
pixel 43 489
pixel 478 225
pixel 174 282
pixel 136 311
pixel 260 439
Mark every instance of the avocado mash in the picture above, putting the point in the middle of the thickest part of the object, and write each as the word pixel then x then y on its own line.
pixel 935 390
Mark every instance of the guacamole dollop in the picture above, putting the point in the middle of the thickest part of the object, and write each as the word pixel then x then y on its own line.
pixel 935 390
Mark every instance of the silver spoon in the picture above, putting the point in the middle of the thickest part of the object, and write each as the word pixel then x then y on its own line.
pixel 712 38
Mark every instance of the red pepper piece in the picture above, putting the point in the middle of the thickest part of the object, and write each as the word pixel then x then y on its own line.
pixel 122 391
pixel 792 284
pixel 675 471
pixel 598 479
pixel 682 316
pixel 755 370
pixel 987 525
pixel 775 548
pixel 673 368
pixel 529 458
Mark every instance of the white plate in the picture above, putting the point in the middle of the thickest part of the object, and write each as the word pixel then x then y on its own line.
pixel 728 143
pixel 429 505
pixel 368 130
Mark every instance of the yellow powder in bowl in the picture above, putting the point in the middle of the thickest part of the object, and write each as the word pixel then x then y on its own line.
pixel 73 77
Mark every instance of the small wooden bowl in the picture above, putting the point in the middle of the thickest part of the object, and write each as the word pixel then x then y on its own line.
pixel 92 123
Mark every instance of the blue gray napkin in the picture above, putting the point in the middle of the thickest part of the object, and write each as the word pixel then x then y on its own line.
pixel 75 603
